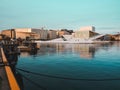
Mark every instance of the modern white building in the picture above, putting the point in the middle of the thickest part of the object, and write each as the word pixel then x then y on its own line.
pixel 87 28
pixel 85 32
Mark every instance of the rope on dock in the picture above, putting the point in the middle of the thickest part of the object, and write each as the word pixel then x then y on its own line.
pixel 67 78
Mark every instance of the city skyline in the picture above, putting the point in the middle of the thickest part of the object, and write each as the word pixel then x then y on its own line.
pixel 59 14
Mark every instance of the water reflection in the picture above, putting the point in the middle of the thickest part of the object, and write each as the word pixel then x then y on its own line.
pixel 86 51
pixel 82 69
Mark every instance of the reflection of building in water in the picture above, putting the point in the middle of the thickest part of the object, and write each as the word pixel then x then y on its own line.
pixel 51 48
pixel 59 48
pixel 47 49
pixel 85 50
pixel 24 54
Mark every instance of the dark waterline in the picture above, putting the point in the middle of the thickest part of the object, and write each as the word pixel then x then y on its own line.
pixel 71 67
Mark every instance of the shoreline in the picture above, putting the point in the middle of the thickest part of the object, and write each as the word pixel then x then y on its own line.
pixel 74 42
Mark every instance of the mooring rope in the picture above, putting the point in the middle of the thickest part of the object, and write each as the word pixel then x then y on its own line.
pixel 36 84
pixel 68 78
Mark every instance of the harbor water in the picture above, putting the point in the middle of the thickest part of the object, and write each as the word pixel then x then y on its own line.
pixel 70 67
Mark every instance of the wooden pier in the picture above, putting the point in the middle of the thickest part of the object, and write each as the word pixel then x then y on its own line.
pixel 8 79
pixel 9 55
pixel 4 84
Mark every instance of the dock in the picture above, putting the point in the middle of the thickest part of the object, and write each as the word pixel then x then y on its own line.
pixel 4 84
pixel 8 81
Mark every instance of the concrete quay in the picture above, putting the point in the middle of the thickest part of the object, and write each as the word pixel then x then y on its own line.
pixel 7 78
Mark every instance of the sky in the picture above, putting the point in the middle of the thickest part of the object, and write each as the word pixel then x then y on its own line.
pixel 61 14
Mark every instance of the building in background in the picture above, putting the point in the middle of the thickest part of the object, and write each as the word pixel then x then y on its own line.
pixel 9 33
pixel 24 35
pixel 23 29
pixel 6 32
pixel 87 28
pixel 17 33
pixel 52 34
pixel 64 32
pixel 85 32
pixel 116 36
pixel 26 32
pixel 42 33
pixel 33 33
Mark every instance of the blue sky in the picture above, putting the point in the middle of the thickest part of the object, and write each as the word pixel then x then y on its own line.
pixel 58 14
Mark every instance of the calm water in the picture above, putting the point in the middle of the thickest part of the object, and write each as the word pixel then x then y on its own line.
pixel 77 61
